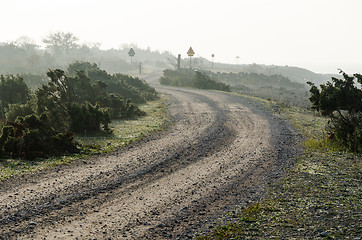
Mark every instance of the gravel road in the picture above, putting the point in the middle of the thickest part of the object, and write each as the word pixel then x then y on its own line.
pixel 221 151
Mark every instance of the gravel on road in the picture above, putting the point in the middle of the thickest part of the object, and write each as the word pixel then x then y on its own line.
pixel 221 151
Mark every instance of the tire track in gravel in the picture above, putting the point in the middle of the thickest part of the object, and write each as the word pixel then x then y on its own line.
pixel 217 154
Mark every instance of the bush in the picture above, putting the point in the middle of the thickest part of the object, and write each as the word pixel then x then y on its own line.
pixel 131 110
pixel 203 81
pixel 144 90
pixel 180 78
pixel 88 117
pixel 74 103
pixel 124 85
pixel 31 137
pixel 347 133
pixel 13 90
pixel 341 101
pixel 190 78
pixel 19 110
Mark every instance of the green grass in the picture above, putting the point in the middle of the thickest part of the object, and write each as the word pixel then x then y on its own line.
pixel 128 131
pixel 319 198
pixel 124 132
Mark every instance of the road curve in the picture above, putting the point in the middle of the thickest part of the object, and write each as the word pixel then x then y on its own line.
pixel 221 151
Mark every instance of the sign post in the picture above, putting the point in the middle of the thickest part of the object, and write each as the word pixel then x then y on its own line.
pixel 179 62
pixel 212 56
pixel 131 53
pixel 190 53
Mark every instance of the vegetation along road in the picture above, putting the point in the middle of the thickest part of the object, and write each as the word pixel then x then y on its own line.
pixel 221 151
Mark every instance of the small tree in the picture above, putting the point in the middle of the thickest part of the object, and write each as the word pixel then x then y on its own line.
pixel 341 101
pixel 53 98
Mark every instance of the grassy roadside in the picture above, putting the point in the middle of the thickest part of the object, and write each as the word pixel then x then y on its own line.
pixel 319 198
pixel 124 132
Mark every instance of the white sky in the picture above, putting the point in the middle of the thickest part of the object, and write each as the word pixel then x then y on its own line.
pixel 321 35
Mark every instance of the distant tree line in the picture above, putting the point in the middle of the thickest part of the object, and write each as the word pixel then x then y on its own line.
pixel 83 98
pixel 23 56
pixel 186 77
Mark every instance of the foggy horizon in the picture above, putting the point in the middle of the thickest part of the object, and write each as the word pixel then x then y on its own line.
pixel 321 36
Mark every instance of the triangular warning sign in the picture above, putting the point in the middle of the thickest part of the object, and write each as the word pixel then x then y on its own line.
pixel 131 52
pixel 190 52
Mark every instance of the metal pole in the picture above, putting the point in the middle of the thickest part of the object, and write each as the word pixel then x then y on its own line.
pixel 212 66
pixel 179 62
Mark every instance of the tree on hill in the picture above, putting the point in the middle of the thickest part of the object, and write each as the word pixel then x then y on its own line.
pixel 341 101
pixel 61 43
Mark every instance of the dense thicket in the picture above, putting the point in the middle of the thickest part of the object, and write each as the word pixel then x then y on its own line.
pixel 61 94
pixel 190 78
pixel 68 102
pixel 341 101
pixel 127 86
pixel 32 137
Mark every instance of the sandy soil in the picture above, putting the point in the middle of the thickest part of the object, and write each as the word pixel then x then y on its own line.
pixel 221 151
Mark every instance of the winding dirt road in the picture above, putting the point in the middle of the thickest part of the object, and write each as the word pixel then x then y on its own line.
pixel 220 152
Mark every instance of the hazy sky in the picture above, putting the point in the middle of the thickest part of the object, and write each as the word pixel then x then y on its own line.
pixel 321 35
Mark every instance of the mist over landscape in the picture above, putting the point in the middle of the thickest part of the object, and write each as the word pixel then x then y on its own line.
pixel 180 119
pixel 321 36
pixel 62 49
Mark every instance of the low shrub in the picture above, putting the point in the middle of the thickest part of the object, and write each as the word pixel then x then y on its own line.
pixel 191 78
pixel 19 110
pixel 341 101
pixel 31 137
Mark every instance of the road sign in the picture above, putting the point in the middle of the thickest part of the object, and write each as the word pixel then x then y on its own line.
pixel 190 52
pixel 131 52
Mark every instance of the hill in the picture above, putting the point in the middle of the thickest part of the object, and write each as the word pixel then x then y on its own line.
pixel 295 74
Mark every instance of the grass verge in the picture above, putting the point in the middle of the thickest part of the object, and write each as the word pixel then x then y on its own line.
pixel 124 133
pixel 319 198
